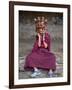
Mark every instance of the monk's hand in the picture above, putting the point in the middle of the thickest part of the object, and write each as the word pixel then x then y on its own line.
pixel 45 44
pixel 39 40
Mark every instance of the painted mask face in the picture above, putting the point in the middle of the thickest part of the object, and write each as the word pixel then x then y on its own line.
pixel 41 31
pixel 41 24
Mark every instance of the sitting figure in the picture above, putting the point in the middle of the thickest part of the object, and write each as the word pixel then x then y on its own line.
pixel 41 57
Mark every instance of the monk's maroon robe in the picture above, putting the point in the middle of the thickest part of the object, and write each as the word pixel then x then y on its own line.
pixel 41 57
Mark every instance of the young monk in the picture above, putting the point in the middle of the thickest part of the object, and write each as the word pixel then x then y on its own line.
pixel 41 56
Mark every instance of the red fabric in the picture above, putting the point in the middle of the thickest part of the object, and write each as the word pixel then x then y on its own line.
pixel 41 57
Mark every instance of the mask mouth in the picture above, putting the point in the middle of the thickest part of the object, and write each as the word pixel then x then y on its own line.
pixel 41 32
pixel 38 29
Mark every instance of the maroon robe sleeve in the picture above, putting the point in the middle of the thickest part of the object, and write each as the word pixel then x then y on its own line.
pixel 48 41
pixel 35 46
